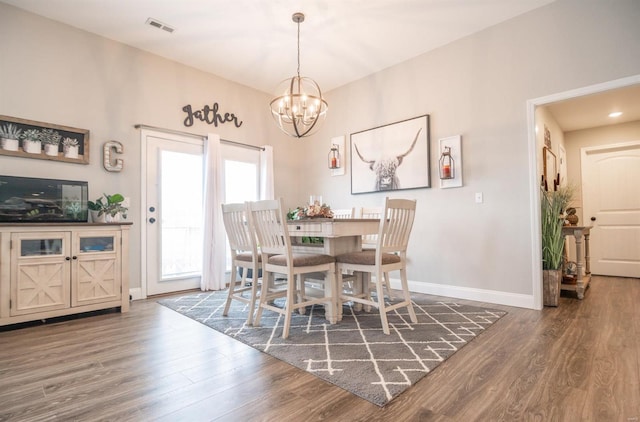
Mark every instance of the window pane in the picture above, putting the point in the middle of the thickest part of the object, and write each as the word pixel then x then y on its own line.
pixel 240 185
pixel 181 207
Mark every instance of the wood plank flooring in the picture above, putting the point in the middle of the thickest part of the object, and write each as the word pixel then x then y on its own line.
pixel 579 361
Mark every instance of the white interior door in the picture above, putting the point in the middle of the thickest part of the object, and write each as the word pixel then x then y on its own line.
pixel 174 175
pixel 611 200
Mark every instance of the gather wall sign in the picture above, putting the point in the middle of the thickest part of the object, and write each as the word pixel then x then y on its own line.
pixel 211 115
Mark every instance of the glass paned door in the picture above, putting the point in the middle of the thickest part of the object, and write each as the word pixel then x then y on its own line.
pixel 173 214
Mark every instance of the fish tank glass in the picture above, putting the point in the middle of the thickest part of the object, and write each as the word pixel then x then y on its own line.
pixel 32 200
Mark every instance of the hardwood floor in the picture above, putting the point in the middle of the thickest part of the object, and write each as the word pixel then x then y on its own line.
pixel 579 361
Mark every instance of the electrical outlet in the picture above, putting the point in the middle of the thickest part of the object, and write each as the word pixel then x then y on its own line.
pixel 479 198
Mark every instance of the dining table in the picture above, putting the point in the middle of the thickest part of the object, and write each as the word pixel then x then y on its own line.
pixel 339 235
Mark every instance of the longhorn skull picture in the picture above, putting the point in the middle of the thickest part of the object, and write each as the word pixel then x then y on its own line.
pixel 381 159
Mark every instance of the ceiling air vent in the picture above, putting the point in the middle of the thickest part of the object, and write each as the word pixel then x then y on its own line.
pixel 157 24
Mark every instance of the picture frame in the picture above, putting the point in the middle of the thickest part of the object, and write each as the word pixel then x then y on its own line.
pixel 73 146
pixel 549 170
pixel 391 157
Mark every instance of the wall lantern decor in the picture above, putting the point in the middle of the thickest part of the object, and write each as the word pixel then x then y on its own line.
pixel 334 157
pixel 450 163
pixel 299 106
pixel 447 164
pixel 336 160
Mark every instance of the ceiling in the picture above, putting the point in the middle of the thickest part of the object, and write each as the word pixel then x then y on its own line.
pixel 253 42
pixel 593 110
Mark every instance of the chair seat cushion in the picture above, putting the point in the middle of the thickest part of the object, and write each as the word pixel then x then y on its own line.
pixel 247 257
pixel 302 259
pixel 367 258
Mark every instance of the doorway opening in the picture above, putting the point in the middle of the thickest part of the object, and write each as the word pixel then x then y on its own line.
pixel 535 160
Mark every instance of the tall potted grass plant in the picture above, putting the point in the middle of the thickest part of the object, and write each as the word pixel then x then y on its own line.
pixel 553 205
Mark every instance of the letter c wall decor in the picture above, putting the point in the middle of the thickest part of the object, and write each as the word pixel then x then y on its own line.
pixel 108 163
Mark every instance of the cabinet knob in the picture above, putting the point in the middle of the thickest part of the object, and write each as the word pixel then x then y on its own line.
pixel 74 257
pixel 152 209
pixel 67 258
pixel 152 220
pixel 593 219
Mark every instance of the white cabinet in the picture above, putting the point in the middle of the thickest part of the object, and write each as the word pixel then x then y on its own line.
pixel 60 269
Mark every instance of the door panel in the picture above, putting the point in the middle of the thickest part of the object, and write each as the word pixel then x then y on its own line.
pixel 611 199
pixel 174 213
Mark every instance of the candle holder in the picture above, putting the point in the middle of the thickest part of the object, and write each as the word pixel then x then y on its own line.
pixel 447 165
pixel 333 160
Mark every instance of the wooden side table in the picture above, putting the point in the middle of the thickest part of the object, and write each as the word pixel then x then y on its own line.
pixel 582 260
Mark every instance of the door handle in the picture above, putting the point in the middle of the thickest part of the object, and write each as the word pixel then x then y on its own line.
pixel 152 220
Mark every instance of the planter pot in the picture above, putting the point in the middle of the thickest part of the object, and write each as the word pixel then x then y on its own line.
pixel 70 151
pixel 95 218
pixel 51 150
pixel 551 287
pixel 32 147
pixel 113 218
pixel 9 144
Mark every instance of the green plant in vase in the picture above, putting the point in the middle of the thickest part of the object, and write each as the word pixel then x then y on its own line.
pixel 108 208
pixel 552 207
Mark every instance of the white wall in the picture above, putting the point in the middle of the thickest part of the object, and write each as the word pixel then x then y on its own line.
pixel 476 87
pixel 54 73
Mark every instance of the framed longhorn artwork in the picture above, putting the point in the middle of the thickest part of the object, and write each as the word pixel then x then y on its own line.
pixel 391 157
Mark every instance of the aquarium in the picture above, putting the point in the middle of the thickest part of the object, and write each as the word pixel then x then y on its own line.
pixel 32 200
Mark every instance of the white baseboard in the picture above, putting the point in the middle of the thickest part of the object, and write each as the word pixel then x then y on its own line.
pixel 136 293
pixel 469 293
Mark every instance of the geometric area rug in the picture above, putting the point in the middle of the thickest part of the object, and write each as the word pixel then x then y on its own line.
pixel 353 354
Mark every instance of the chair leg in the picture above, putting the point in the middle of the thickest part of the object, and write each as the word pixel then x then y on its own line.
pixel 300 291
pixel 232 285
pixel 381 303
pixel 289 306
pixel 254 295
pixel 407 295
pixel 267 281
pixel 387 283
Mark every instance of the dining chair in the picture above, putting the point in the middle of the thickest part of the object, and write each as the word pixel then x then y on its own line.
pixel 390 255
pixel 369 241
pixel 344 213
pixel 244 257
pixel 269 222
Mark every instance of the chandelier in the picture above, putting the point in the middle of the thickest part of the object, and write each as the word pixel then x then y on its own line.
pixel 300 108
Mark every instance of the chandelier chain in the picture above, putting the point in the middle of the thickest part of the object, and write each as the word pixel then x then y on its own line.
pixel 298 48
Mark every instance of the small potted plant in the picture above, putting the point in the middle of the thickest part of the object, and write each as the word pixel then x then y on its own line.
pixel 51 140
pixel 31 141
pixel 108 209
pixel 9 137
pixel 70 147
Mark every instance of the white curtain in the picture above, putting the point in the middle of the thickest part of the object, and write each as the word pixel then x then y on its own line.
pixel 213 268
pixel 266 172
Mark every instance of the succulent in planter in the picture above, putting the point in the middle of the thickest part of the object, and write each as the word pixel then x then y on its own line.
pixel 10 131
pixel 70 147
pixel 10 135
pixel 31 135
pixel 50 137
pixel 69 142
pixel 31 141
